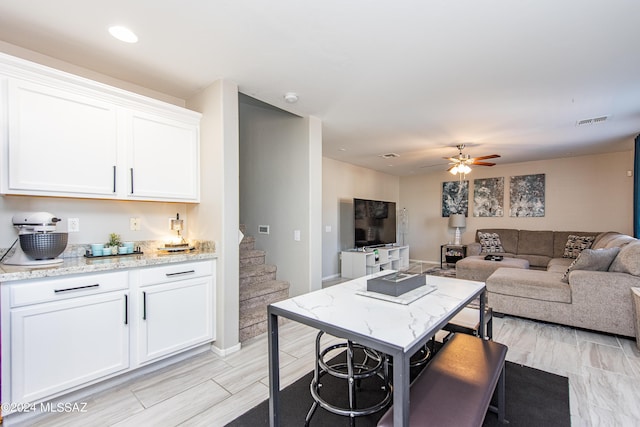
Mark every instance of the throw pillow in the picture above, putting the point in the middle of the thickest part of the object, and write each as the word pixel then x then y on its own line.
pixel 592 260
pixel 576 244
pixel 628 260
pixel 490 243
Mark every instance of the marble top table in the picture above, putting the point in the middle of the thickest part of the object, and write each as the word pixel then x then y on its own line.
pixel 398 330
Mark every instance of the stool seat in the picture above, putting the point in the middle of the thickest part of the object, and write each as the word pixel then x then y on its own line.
pixel 353 371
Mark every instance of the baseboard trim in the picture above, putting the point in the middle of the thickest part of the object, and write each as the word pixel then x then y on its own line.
pixel 223 352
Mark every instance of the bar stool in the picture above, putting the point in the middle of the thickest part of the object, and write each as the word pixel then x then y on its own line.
pixel 420 358
pixel 353 372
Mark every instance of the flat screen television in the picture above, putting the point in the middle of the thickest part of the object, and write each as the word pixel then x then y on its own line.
pixel 374 222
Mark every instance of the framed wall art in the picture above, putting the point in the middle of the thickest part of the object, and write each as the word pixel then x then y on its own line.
pixel 526 195
pixel 455 197
pixel 488 197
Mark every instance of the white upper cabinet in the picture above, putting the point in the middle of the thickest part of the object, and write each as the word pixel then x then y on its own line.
pixel 60 142
pixel 163 158
pixel 68 136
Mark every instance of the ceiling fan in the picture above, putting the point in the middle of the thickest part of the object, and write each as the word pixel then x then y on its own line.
pixel 460 163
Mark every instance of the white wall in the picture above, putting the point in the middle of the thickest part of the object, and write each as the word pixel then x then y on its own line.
pixel 587 193
pixel 275 187
pixel 216 217
pixel 315 203
pixel 341 182
pixel 98 218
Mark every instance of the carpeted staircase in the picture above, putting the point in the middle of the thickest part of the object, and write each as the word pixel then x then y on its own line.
pixel 258 288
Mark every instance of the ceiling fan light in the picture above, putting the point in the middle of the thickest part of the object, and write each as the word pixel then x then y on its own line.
pixel 454 170
pixel 465 169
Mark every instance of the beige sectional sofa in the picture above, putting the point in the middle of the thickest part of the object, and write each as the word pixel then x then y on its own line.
pixel 596 300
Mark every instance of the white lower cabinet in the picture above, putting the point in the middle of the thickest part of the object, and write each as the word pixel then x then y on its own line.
pixel 175 316
pixel 57 346
pixel 61 334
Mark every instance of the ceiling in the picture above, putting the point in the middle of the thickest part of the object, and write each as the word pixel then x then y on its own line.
pixel 411 77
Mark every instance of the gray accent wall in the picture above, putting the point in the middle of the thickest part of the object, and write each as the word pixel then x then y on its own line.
pixel 278 170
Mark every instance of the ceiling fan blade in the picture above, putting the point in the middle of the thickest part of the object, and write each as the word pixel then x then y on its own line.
pixel 451 168
pixel 490 156
pixel 483 164
pixel 452 159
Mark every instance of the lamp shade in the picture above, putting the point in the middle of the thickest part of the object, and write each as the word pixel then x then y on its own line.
pixel 457 220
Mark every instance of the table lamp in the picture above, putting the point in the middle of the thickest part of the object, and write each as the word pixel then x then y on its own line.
pixel 457 221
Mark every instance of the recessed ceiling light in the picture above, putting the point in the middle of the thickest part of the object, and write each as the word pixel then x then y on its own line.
pixel 291 97
pixel 123 34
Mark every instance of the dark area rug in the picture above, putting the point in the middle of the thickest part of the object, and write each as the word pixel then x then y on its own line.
pixel 534 398
pixel 444 272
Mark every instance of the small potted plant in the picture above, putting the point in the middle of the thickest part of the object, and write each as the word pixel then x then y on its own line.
pixel 113 243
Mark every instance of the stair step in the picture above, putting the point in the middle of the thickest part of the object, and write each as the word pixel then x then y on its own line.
pixel 253 310
pixel 250 274
pixel 251 331
pixel 264 299
pixel 248 243
pixel 263 288
pixel 262 302
pixel 252 316
pixel 252 257
pixel 258 288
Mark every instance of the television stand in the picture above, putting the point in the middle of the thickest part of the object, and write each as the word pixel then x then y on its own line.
pixel 359 263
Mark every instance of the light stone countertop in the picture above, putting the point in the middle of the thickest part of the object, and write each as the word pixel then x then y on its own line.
pixel 79 265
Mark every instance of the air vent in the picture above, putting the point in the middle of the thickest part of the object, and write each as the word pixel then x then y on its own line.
pixel 592 121
pixel 389 155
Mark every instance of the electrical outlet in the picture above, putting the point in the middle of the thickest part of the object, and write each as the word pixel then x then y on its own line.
pixel 73 225
pixel 134 224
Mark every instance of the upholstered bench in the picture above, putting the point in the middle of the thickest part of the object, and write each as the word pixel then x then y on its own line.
pixel 477 268
pixel 456 387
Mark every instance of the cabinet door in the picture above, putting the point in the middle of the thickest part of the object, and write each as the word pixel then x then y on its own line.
pixel 60 345
pixel 60 142
pixel 175 316
pixel 163 159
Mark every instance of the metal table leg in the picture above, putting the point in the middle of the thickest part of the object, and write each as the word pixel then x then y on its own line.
pixel 274 370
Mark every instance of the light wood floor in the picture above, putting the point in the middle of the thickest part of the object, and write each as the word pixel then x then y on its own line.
pixel 207 390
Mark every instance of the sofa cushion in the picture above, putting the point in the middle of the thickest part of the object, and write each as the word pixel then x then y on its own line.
pixel 628 260
pixel 576 244
pixel 592 260
pixel 508 238
pixel 490 243
pixel 559 265
pixel 560 240
pixel 532 284
pixel 535 243
pixel 538 262
pixel 611 239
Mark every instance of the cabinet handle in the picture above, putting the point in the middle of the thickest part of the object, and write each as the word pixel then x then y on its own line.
pixel 114 178
pixel 180 272
pixel 131 172
pixel 79 288
pixel 144 306
pixel 126 309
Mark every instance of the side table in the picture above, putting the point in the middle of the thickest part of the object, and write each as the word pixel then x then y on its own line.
pixel 636 305
pixel 452 253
